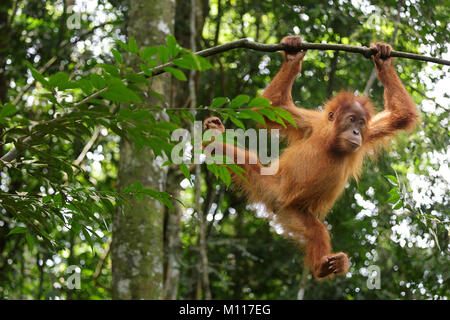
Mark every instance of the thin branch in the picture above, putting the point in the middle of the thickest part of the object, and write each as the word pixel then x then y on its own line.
pixel 370 82
pixel 87 147
pixel 425 96
pixel 85 34
pixel 83 153
pixel 100 264
pixel 373 74
pixel 13 14
pixel 28 85
pixel 92 96
pixel 249 44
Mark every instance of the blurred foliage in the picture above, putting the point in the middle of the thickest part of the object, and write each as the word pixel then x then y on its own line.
pixel 56 211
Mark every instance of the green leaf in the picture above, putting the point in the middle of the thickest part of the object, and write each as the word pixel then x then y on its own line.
pixel 145 69
pixel 188 115
pixel 169 126
pixel 152 193
pixel 167 203
pixel 138 140
pixel 393 191
pixel 213 168
pixel 163 54
pixel 155 145
pixel 259 102
pixel 58 199
pixel 123 45
pixel 239 100
pixel 50 97
pixel 107 204
pixel 136 115
pixel 172 46
pixel 133 46
pixel 250 114
pixel 192 62
pixel 237 122
pixel 185 170
pixel 279 120
pixel 136 78
pixel 97 81
pixel 112 70
pixel 166 163
pixel 59 79
pixel 157 95
pixel 7 110
pixel 87 236
pixel 148 53
pixel 203 62
pixel 285 115
pixel 399 205
pixel 17 230
pixel 163 197
pixel 85 85
pixel 117 55
pixel 231 112
pixel 237 170
pixel 30 240
pixel 394 198
pixel 393 180
pixel 218 102
pixel 268 113
pixel 119 92
pixel 176 73
pixel 224 175
pixel 45 234
pixel 36 75
pixel 430 217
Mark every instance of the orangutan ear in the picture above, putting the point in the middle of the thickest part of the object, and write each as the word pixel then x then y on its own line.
pixel 331 116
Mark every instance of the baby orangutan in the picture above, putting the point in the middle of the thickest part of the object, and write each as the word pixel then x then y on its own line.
pixel 323 151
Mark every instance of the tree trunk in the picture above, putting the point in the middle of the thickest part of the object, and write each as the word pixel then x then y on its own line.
pixel 137 247
pixel 204 264
pixel 4 39
pixel 172 240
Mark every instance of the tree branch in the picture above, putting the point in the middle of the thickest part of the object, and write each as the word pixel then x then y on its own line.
pixel 249 44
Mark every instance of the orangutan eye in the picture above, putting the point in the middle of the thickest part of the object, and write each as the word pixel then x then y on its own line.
pixel 362 123
pixel 352 118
